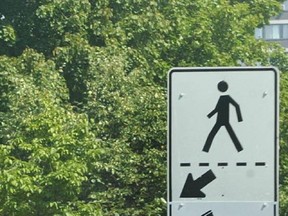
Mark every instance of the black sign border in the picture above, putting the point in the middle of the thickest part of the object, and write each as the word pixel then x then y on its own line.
pixel 231 70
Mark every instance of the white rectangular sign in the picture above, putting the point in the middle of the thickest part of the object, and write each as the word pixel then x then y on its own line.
pixel 223 141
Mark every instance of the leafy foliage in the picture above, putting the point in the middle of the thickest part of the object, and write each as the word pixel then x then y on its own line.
pixel 283 146
pixel 83 99
pixel 44 143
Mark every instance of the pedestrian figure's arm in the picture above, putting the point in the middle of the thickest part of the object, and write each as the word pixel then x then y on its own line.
pixel 237 107
pixel 212 113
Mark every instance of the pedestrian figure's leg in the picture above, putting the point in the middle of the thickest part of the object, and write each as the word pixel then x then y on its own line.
pixel 234 137
pixel 211 137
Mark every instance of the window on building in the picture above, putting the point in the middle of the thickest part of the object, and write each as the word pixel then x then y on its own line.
pixel 259 33
pixel 285 31
pixel 272 32
pixel 285 6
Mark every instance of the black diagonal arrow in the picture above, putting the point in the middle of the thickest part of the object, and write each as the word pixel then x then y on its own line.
pixel 192 188
pixel 209 213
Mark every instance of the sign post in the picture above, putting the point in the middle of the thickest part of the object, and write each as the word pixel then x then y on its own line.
pixel 223 141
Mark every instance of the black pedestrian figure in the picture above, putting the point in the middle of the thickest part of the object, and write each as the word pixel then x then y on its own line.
pixel 222 110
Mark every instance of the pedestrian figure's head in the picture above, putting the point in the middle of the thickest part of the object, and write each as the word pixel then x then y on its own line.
pixel 222 86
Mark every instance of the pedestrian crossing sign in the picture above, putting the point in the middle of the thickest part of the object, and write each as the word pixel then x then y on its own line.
pixel 223 141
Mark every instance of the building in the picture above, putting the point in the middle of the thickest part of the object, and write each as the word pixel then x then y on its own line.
pixel 277 30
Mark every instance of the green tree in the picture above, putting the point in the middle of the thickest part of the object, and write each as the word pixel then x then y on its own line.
pixel 45 147
pixel 283 146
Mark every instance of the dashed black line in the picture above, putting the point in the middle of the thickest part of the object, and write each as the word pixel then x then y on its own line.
pixel 203 164
pixel 260 164
pixel 241 164
pixel 225 164
pixel 222 164
pixel 185 164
